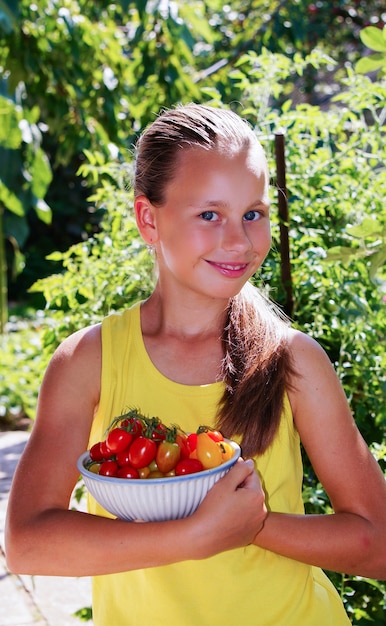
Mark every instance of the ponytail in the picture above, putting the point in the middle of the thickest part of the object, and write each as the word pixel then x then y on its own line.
pixel 256 370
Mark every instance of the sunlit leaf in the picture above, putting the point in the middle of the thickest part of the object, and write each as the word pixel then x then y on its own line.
pixel 367 228
pixel 43 211
pixel 374 38
pixel 370 63
pixel 10 200
pixel 41 174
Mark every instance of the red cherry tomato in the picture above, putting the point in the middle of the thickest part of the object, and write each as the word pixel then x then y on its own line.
pixel 96 453
pixel 142 452
pixel 106 454
pixel 122 457
pixel 215 435
pixel 188 466
pixel 127 472
pixel 192 442
pixel 118 439
pixel 134 425
pixel 182 440
pixel 159 433
pixel 208 451
pixel 108 468
pixel 168 455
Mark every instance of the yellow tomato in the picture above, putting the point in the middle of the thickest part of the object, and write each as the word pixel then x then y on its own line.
pixel 144 472
pixel 208 451
pixel 94 468
pixel 226 450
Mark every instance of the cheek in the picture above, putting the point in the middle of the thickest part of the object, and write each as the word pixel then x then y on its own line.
pixel 269 238
pixel 264 240
pixel 192 241
pixel 175 248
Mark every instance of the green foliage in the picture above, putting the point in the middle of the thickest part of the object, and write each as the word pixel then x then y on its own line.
pixel 96 73
pixel 336 184
pixel 375 39
pixel 23 362
pixel 85 614
pixel 107 272
pixel 24 179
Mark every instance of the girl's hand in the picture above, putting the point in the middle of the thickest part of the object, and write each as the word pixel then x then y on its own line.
pixel 232 513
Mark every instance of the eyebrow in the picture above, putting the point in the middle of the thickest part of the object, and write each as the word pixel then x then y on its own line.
pixel 210 204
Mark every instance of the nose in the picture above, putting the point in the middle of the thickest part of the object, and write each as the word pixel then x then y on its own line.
pixel 235 237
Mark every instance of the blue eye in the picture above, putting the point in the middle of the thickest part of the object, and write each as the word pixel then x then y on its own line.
pixel 209 216
pixel 251 216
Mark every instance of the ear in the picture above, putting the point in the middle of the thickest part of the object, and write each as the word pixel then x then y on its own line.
pixel 145 217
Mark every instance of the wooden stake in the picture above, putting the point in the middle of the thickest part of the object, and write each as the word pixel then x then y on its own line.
pixel 286 278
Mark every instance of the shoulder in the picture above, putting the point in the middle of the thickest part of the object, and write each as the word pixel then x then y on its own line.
pixel 76 363
pixel 310 361
pixel 82 344
pixel 302 346
pixel 315 393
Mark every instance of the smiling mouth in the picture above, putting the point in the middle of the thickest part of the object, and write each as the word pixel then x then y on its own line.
pixel 230 266
pixel 230 269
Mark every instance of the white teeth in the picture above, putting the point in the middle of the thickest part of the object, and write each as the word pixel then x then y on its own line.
pixel 231 267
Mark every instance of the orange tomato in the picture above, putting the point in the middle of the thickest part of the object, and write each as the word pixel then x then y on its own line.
pixel 208 451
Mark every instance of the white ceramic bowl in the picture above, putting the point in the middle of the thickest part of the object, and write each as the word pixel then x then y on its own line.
pixel 154 499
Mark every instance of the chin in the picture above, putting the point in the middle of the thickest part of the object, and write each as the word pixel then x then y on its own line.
pixel 225 294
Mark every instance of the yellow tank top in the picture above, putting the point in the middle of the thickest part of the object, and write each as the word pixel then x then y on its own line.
pixel 248 586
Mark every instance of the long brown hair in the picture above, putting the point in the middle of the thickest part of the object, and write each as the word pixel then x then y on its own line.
pixel 256 367
pixel 256 370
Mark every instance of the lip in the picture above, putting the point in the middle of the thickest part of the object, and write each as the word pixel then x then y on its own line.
pixel 231 270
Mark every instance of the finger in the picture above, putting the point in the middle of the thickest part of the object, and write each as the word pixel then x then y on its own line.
pixel 239 473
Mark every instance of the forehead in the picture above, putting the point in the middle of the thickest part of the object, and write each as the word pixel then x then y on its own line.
pixel 219 175
pixel 250 158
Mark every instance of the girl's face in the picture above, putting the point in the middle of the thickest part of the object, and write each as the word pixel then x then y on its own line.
pixel 213 231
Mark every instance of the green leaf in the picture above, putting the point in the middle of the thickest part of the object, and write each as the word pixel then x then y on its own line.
pixel 18 264
pixel 342 254
pixel 41 174
pixel 286 106
pixel 10 133
pixel 55 256
pixel 16 229
pixel 368 228
pixel 374 38
pixel 10 200
pixel 43 211
pixel 199 23
pixel 370 63
pixel 84 614
pixel 377 261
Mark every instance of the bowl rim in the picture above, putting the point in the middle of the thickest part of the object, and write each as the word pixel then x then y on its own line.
pixel 162 480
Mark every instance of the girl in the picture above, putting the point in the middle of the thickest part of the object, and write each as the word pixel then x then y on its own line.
pixel 205 348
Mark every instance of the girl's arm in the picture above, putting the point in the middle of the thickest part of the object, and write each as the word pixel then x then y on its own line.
pixel 353 538
pixel 44 537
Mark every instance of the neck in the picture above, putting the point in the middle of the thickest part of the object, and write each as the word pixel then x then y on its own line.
pixel 186 319
pixel 184 343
